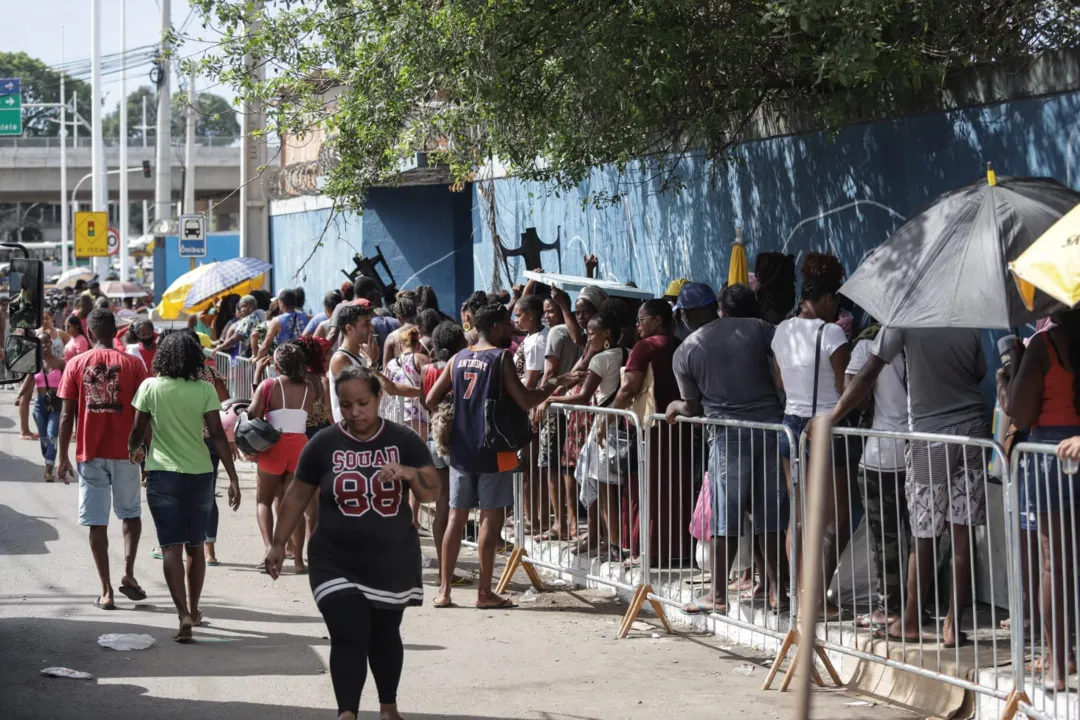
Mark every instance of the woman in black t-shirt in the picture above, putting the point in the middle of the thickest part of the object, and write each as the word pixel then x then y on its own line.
pixel 365 552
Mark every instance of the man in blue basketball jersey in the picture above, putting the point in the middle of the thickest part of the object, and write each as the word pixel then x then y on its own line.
pixel 480 477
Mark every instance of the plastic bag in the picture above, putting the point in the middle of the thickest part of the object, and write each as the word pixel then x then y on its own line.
pixel 126 641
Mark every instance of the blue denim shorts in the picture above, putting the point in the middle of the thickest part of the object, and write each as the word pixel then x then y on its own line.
pixel 180 505
pixel 104 482
pixel 486 491
pixel 745 475
pixel 843 451
pixel 1042 488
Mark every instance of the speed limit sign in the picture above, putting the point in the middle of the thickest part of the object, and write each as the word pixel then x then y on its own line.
pixel 114 241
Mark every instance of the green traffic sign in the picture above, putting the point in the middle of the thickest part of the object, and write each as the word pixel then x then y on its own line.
pixel 11 115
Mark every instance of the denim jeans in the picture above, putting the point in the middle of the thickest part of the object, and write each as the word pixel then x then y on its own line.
pixel 48 424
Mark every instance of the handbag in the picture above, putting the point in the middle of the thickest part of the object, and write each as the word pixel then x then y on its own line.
pixel 50 392
pixel 701 520
pixel 506 425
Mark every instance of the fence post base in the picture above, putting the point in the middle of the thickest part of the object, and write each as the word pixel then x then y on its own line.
pixel 516 561
pixel 1012 703
pixel 640 596
pixel 790 641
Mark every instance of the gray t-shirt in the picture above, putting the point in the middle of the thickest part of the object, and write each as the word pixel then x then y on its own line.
pixel 945 367
pixel 562 347
pixel 726 365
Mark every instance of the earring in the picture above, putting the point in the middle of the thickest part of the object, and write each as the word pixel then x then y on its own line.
pixel 607 344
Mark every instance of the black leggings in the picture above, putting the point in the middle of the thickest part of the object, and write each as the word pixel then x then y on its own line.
pixel 361 634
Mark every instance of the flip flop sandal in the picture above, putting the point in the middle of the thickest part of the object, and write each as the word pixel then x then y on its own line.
pixel 461 582
pixel 213 563
pixel 442 606
pixel 156 554
pixel 964 641
pixel 104 605
pixel 301 572
pixel 506 604
pixel 132 592
pixel 699 607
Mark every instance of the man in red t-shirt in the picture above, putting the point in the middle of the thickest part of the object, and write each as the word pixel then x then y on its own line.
pixel 98 387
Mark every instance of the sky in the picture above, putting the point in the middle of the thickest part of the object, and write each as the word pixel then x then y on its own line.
pixel 33 27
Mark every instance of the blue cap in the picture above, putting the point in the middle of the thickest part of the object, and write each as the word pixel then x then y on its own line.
pixel 695 295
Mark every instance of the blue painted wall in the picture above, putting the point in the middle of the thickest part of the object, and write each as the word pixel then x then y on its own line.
pixel 424 233
pixel 168 265
pixel 845 193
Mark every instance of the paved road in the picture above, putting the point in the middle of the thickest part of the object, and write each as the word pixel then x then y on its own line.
pixel 264 654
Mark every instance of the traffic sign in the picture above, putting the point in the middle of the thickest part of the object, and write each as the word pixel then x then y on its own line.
pixel 10 106
pixel 114 241
pixel 192 236
pixel 91 234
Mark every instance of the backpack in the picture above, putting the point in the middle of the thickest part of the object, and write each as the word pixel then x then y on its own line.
pixel 506 425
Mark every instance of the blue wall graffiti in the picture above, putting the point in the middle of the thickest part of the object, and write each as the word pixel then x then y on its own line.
pixel 423 232
pixel 845 193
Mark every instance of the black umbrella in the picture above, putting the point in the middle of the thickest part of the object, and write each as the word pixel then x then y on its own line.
pixel 949 265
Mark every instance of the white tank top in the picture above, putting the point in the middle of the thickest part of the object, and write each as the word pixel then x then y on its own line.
pixel 289 420
pixel 335 408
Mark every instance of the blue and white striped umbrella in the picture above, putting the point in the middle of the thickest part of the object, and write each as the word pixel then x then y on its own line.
pixel 221 278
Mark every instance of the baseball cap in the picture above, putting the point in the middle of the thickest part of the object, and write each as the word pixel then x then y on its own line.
pixel 675 287
pixel 695 295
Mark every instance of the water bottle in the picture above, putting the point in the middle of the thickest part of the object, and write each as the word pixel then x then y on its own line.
pixel 1069 466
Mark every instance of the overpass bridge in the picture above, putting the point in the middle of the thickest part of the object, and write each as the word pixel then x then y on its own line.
pixel 30 168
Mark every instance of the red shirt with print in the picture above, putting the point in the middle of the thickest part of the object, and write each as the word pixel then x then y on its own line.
pixel 102 383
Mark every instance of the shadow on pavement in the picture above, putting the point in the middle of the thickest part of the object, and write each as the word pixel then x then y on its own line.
pixel 23 534
pixel 222 653
pixel 16 469
pixel 98 701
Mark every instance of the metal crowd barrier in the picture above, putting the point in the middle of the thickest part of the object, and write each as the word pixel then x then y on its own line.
pixel 1045 626
pixel 411 413
pixel 718 512
pixel 580 483
pixel 886 595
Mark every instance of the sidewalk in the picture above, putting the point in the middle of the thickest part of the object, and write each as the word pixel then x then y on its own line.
pixel 264 654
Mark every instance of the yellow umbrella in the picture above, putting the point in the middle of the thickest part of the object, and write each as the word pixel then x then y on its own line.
pixel 1052 263
pixel 172 301
pixel 738 268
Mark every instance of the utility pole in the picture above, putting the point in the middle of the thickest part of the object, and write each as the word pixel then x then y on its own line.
pixel 254 224
pixel 100 198
pixel 189 155
pixel 163 140
pixel 189 150
pixel 125 221
pixel 145 132
pixel 64 206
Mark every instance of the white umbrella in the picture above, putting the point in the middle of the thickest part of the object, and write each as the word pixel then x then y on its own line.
pixel 74 275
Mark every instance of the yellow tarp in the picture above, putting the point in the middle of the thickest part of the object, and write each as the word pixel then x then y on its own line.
pixel 1052 263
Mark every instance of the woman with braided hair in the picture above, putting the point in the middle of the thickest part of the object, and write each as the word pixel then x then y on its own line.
pixel 285 402
pixel 812 355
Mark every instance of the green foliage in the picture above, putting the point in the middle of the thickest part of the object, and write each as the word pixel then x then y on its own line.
pixel 215 116
pixel 554 88
pixel 41 85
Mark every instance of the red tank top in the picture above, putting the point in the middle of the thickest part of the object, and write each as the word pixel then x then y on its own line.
pixel 1057 407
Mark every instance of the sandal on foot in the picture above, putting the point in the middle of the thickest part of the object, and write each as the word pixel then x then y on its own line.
pixel 132 592
pixel 110 605
pixel 700 607
pixel 506 604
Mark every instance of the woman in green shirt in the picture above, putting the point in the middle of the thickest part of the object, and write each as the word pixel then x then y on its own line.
pixel 180 482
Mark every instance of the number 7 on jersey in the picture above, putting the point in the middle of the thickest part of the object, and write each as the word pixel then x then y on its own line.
pixel 471 378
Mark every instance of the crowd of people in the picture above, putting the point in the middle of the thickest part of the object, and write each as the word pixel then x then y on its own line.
pixel 338 478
